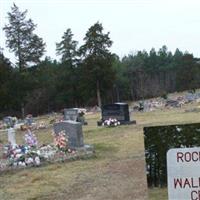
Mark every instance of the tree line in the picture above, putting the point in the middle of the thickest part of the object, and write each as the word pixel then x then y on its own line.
pixel 86 75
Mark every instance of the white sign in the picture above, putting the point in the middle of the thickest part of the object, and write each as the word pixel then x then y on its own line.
pixel 183 168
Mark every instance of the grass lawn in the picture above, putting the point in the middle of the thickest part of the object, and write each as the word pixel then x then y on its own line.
pixel 117 172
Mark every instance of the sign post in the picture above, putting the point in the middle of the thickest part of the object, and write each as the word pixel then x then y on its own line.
pixel 183 169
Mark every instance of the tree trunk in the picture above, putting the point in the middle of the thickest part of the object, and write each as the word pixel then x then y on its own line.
pixel 23 110
pixel 19 52
pixel 117 93
pixel 98 94
pixel 132 90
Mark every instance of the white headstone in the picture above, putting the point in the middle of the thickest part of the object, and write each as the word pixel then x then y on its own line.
pixel 11 136
pixel 183 168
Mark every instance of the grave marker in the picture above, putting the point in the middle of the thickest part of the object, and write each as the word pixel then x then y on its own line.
pixel 74 114
pixel 119 111
pixel 9 121
pixel 73 131
pixel 11 136
pixel 71 114
pixel 29 120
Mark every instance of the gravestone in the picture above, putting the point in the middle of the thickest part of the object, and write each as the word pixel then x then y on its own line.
pixel 11 136
pixel 119 111
pixel 73 131
pixel 9 121
pixel 71 114
pixel 172 103
pixel 141 105
pixel 190 97
pixel 29 120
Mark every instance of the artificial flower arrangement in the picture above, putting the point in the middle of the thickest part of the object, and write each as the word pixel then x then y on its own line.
pixel 30 139
pixel 61 141
pixel 41 125
pixel 22 155
pixel 31 154
pixel 111 122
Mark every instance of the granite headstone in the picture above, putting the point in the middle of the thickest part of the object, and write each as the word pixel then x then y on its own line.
pixel 119 111
pixel 73 131
pixel 71 114
pixel 74 114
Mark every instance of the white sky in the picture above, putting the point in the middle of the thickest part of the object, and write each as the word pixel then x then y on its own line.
pixel 133 24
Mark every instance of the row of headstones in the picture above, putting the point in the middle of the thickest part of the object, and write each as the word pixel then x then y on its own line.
pixel 73 131
pixel 72 124
pixel 12 121
pixel 73 121
pixel 118 111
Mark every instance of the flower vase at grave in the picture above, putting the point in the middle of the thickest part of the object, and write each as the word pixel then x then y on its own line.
pixel 11 136
pixel 30 139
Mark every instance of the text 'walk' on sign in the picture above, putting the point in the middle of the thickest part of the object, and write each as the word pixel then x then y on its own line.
pixel 183 169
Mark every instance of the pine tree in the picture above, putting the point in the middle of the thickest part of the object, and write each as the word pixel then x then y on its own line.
pixel 27 46
pixel 67 48
pixel 97 60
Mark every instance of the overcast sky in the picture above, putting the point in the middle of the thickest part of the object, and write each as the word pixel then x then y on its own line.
pixel 133 25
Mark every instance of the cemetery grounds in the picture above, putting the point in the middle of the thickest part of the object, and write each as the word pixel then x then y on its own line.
pixel 116 172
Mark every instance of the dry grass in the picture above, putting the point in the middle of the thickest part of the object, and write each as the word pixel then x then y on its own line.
pixel 117 172
pixel 158 194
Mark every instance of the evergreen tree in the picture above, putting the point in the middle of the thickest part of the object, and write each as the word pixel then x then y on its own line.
pixel 21 40
pixel 5 76
pixel 67 48
pixel 97 61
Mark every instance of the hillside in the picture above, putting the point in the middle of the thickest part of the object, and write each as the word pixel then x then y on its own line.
pixel 117 171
